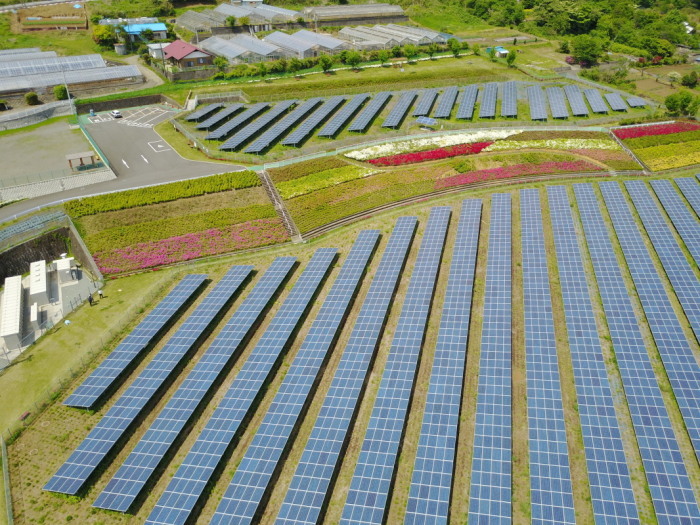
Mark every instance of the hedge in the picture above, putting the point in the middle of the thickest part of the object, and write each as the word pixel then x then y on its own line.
pixel 661 140
pixel 304 168
pixel 324 179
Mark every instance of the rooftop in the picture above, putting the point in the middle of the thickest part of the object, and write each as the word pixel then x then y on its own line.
pixel 135 29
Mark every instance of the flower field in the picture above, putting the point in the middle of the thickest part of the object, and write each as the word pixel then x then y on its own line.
pixel 304 168
pixel 323 179
pixel 433 154
pixel 634 132
pixel 664 146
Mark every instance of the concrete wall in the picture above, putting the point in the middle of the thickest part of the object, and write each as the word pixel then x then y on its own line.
pixel 49 246
pixel 123 103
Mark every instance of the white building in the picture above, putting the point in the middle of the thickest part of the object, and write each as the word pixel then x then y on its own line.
pixel 11 316
pixel 38 283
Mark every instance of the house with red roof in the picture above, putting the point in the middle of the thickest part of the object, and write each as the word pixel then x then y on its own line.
pixel 185 55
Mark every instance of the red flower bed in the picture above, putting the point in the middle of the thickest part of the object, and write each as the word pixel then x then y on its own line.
pixel 517 170
pixel 659 129
pixel 433 154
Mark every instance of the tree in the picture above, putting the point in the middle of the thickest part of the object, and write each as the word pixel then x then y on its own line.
pixel 104 36
pixel 278 66
pixel 586 49
pixel 220 63
pixel 383 56
pixel 410 51
pixel 476 49
pixel 244 20
pixel 353 59
pixel 60 92
pixel 492 54
pixel 673 77
pixel 231 21
pixel 396 52
pixel 682 104
pixel 326 62
pixel 690 80
pixel 454 46
pixel 262 69
pixel 294 65
pixel 147 34
pixel 512 55
pixel 432 49
pixel 31 99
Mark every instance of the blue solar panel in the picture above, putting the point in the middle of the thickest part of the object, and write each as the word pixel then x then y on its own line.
pixel 669 484
pixel 320 460
pixel 557 103
pixel 691 191
pixel 431 484
pixel 116 363
pixel 616 102
pixel 220 116
pixel 487 109
pixel 244 135
pixel 132 476
pixel 370 487
pixel 280 128
pixel 83 462
pixel 683 220
pixel 345 114
pixel 310 124
pixel 490 491
pixel 425 104
pixel 538 109
pixel 254 474
pixel 509 102
pixel 370 111
pixel 551 495
pixel 204 112
pixel 608 474
pixel 466 105
pixel 636 102
pixel 578 105
pixel 446 102
pixel 398 112
pixel 596 102
pixel 239 120
pixel 187 485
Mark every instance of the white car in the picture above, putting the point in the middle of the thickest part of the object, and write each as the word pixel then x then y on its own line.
pixel 116 113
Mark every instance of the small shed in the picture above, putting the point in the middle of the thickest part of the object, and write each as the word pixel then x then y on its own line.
pixel 156 50
pixel 135 31
pixel 80 161
pixel 65 269
pixel 501 52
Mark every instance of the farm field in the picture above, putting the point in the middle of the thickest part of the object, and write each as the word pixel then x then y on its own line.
pixel 47 441
pixel 664 146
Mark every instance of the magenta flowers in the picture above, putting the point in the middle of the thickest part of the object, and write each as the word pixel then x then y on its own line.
pixel 659 129
pixel 433 154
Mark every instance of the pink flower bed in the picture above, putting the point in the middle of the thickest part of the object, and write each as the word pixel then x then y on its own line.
pixel 659 129
pixel 517 170
pixel 259 232
pixel 433 154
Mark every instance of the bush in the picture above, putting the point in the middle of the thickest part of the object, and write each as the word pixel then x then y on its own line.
pixel 60 92
pixel 302 169
pixel 31 98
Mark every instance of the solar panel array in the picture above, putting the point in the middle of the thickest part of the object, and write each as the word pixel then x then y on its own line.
pixel 509 100
pixel 578 105
pixel 220 116
pixel 636 102
pixel 317 117
pixel 551 493
pixel 683 219
pixel 204 112
pixel 105 375
pixel 132 476
pixel 608 474
pixel 345 114
pixel 680 364
pixel 490 490
pixel 368 496
pixel 431 484
pixel 269 137
pixel 446 102
pixel 616 102
pixel 245 134
pixel 81 464
pixel 239 120
pixel 187 485
pixel 255 472
pixel 425 104
pixel 398 112
pixel 669 484
pixel 538 109
pixel 691 191
pixel 487 109
pixel 371 110
pixel 557 103
pixel 31 223
pixel 466 106
pixel 595 100
pixel 311 483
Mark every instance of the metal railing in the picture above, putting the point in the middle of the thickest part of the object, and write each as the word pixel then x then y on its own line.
pixel 46 176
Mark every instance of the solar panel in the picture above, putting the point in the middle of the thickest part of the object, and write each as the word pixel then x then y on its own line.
pixel 538 109
pixel 83 462
pixel 147 331
pixel 431 484
pixel 616 102
pixel 557 104
pixel 669 484
pixel 239 120
pixel 446 102
pixel 280 128
pixel 311 123
pixel 509 102
pixel 636 102
pixel 596 102
pixel 345 114
pixel 487 109
pixel 425 104
pixel 371 110
pixel 691 191
pixel 398 112
pixel 311 484
pixel 466 106
pixel 683 219
pixel 126 485
pixel 255 472
pixel 204 112
pixel 551 495
pixel 677 356
pixel 187 485
pixel 608 474
pixel 490 491
pixel 244 135
pixel 578 106
pixel 219 117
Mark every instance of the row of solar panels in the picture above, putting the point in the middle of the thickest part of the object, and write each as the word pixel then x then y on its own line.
pixel 429 498
pixel 558 97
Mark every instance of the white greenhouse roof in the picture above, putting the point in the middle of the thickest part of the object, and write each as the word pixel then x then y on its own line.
pixel 322 39
pixel 50 65
pixel 28 56
pixel 289 42
pixel 27 82
pixel 19 51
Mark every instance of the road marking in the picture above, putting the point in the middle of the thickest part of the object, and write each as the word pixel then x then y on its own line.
pixel 159 146
pixel 125 164
pixel 144 158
